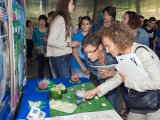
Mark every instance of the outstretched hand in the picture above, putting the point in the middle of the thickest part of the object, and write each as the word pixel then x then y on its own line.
pixel 90 94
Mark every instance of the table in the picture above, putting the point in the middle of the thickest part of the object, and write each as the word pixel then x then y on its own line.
pixel 31 94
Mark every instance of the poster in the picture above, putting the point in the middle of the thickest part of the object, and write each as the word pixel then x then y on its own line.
pixel 18 18
pixel 4 62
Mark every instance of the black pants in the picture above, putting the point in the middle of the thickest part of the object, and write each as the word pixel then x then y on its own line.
pixel 41 63
pixel 29 48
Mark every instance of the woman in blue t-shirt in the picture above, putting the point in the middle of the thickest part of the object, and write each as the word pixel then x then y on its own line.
pixel 78 64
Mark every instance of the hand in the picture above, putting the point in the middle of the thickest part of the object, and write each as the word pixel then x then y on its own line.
pixel 74 44
pixel 123 76
pixel 45 55
pixel 85 70
pixel 45 39
pixel 90 94
pixel 106 73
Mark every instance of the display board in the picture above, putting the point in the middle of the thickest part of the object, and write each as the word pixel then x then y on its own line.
pixel 4 62
pixel 18 18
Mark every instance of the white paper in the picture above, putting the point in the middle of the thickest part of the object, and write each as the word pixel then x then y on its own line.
pixel 129 68
pixel 110 67
pixel 133 57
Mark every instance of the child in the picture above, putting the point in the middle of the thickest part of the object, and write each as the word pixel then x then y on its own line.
pixel 78 64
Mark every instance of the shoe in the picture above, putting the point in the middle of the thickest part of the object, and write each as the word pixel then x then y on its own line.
pixel 124 114
pixel 31 59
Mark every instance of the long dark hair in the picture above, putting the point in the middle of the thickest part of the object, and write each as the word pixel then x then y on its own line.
pixel 134 20
pixel 27 23
pixel 62 9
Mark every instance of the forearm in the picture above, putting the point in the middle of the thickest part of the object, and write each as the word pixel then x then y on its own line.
pixel 76 56
pixel 154 45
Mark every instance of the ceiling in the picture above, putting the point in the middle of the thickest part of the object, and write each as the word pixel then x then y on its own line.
pixel 146 8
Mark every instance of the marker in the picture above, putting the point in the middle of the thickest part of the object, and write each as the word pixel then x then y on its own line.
pixel 95 70
pixel 79 102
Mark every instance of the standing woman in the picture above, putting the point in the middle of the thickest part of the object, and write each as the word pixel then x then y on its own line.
pixel 59 45
pixel 29 32
pixel 38 36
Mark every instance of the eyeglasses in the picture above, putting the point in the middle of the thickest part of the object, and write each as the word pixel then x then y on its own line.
pixel 106 46
pixel 91 51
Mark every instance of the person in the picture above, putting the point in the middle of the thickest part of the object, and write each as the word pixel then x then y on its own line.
pixel 29 33
pixel 132 20
pixel 157 38
pixel 77 28
pixel 151 31
pixel 118 39
pixel 59 44
pixel 78 64
pixel 146 22
pixel 50 14
pixel 109 14
pixel 97 56
pixel 156 26
pixel 142 20
pixel 38 40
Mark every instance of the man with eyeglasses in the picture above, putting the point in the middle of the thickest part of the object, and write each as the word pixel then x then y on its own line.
pixel 97 56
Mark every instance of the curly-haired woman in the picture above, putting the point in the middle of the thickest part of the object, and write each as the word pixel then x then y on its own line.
pixel 118 40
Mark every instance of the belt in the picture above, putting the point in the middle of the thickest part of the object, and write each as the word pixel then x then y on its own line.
pixel 66 55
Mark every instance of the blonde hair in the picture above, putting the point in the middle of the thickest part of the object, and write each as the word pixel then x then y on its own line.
pixel 120 34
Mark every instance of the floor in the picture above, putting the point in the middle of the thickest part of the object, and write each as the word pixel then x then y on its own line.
pixel 32 73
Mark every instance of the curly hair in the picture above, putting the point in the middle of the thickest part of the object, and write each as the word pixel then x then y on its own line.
pixel 120 34
pixel 134 20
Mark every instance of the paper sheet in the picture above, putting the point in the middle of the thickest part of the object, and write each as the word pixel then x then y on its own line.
pixel 110 67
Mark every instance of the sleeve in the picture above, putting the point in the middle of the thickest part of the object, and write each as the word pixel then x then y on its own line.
pixel 75 29
pixel 145 39
pixel 158 32
pixel 75 38
pixel 55 31
pixel 153 70
pixel 92 70
pixel 109 85
pixel 93 28
pixel 34 37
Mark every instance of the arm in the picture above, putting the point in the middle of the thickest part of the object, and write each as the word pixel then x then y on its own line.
pixel 154 45
pixel 75 29
pixel 145 39
pixel 76 56
pixel 55 31
pixel 152 67
pixel 109 85
pixel 34 37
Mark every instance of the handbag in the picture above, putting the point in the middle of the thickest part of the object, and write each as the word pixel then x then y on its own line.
pixel 148 100
pixel 40 50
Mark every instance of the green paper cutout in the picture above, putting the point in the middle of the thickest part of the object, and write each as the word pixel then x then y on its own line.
pixel 40 107
pixel 49 87
pixel 75 82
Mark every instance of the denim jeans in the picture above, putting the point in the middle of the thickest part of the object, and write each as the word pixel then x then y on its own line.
pixel 124 92
pixel 41 64
pixel 76 71
pixel 62 66
pixel 29 48
pixel 111 96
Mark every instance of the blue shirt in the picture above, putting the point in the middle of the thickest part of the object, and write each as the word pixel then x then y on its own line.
pixel 78 37
pixel 158 32
pixel 158 35
pixel 109 60
pixel 142 37
pixel 97 27
pixel 37 37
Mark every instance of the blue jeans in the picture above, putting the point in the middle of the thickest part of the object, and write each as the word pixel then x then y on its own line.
pixel 76 71
pixel 111 96
pixel 124 92
pixel 62 66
